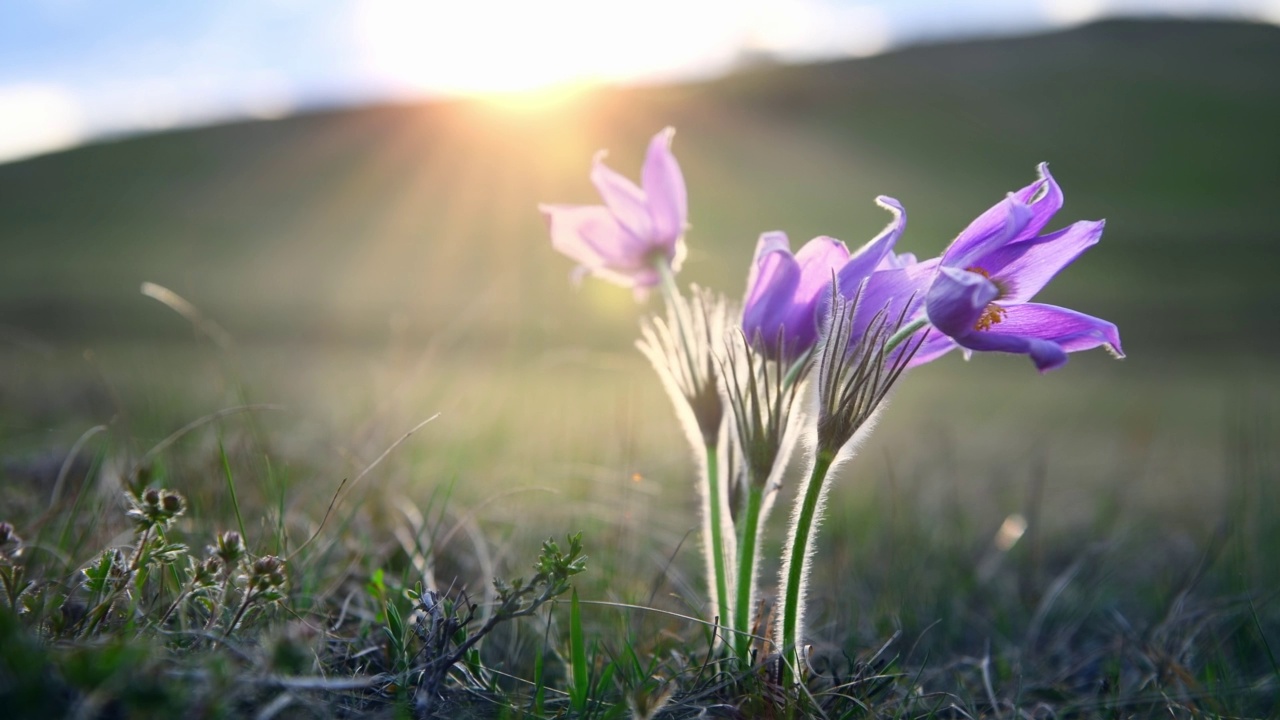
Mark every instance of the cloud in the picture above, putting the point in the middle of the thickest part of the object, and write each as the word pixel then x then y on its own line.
pixel 37 118
pixel 1072 12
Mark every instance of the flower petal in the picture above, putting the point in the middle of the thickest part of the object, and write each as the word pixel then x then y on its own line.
pixel 894 261
pixel 1023 268
pixel 1044 196
pixel 819 260
pixel 935 345
pixel 592 236
pixel 664 187
pixel 956 299
pixel 1073 331
pixel 626 201
pixel 765 266
pixel 771 289
pixel 896 293
pixel 1046 354
pixel 867 258
pixel 1001 224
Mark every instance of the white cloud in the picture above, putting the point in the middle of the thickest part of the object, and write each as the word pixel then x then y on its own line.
pixel 1270 11
pixel 37 118
pixel 817 28
pixel 1072 12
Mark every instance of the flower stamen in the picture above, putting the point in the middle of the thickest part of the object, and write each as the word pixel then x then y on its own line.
pixel 991 315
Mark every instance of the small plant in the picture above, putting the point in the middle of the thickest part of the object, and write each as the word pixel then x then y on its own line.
pixel 12 573
pixel 443 626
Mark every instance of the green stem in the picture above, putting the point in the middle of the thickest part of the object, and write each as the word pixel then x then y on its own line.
pixel 747 572
pixel 903 333
pixel 717 537
pixel 797 549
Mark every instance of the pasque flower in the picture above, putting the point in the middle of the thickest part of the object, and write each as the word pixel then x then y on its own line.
pixel 636 229
pixel 985 279
pixel 786 293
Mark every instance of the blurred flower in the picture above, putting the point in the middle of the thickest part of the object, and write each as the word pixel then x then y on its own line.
pixel 985 279
pixel 637 228
pixel 785 293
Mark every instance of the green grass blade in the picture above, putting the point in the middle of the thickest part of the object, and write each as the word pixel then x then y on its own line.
pixel 579 683
pixel 231 487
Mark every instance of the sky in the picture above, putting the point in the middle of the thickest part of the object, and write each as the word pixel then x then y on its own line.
pixel 75 70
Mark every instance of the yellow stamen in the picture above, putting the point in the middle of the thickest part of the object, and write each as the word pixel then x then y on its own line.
pixel 992 314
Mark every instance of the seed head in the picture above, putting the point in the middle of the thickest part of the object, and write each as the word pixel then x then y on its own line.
pixel 229 548
pixel 173 504
pixel 267 572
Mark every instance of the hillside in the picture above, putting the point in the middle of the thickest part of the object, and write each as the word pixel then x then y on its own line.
pixel 335 225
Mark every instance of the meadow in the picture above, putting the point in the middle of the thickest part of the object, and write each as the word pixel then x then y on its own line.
pixel 354 273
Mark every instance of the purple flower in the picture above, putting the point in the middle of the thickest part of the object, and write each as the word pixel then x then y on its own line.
pixel 623 240
pixel 979 296
pixel 787 294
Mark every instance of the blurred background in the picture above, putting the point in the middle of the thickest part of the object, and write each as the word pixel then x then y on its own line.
pixel 346 193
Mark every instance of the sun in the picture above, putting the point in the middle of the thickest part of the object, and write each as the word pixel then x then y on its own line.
pixel 519 53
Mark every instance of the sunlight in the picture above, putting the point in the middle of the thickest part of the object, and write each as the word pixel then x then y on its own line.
pixel 1074 12
pixel 37 118
pixel 493 48
pixel 553 48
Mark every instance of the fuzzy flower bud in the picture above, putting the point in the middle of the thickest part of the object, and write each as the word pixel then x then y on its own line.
pixel 155 507
pixel 267 572
pixel 173 504
pixel 229 548
pixel 9 541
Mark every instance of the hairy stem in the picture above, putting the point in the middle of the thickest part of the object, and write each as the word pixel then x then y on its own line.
pixel 796 552
pixel 747 571
pixel 720 585
pixel 903 333
pixel 249 598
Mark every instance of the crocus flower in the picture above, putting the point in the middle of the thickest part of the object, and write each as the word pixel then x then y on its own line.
pixel 979 296
pixel 786 294
pixel 624 240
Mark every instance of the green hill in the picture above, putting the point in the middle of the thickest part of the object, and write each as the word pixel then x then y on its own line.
pixel 334 225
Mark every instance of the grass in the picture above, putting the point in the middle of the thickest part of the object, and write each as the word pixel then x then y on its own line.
pixel 373 268
pixel 1141 586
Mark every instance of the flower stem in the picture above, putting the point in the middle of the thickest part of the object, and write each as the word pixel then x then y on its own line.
pixel 903 333
pixel 715 512
pixel 747 572
pixel 716 518
pixel 796 551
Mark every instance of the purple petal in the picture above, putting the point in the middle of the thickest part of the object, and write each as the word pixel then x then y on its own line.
pixel 1046 354
pixel 935 345
pixel 868 257
pixel 1023 268
pixel 896 261
pixel 765 266
pixel 898 293
pixel 1071 330
pixel 622 197
pixel 1001 224
pixel 1044 196
pixel 819 260
pixel 956 299
pixel 592 236
pixel 771 288
pixel 664 187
